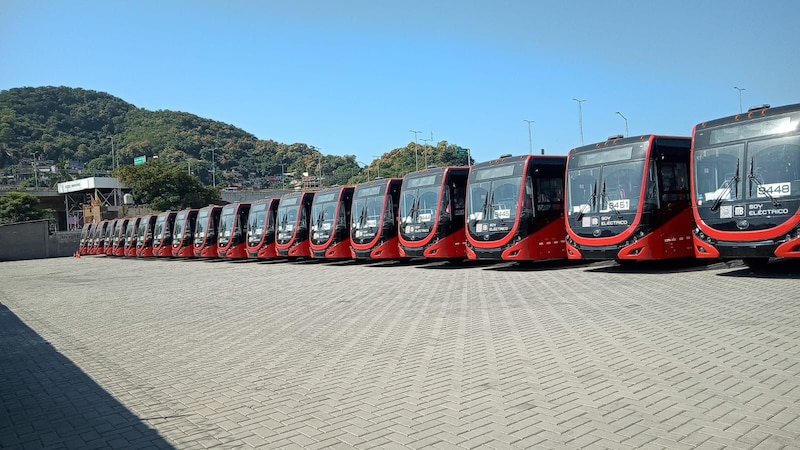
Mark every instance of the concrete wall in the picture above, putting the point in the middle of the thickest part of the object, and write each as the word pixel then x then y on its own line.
pixel 34 240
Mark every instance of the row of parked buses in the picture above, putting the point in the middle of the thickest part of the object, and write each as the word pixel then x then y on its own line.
pixel 730 191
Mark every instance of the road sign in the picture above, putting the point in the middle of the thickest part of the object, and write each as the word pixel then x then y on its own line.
pixel 462 151
pixel 139 160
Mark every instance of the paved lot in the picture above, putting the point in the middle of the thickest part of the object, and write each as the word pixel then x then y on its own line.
pixel 101 352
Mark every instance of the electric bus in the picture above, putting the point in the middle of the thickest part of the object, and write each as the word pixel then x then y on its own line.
pixel 746 185
pixel 108 250
pixel 86 235
pixel 628 199
pixel 515 208
pixel 232 241
pixel 98 247
pixel 432 205
pixel 205 231
pixel 261 229
pixel 118 241
pixel 183 233
pixel 373 232
pixel 330 223
pixel 144 236
pixel 294 212
pixel 162 234
pixel 130 236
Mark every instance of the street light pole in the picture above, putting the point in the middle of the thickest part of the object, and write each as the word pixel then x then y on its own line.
pixel 213 167
pixel 626 123
pixel 580 116
pixel 416 159
pixel 283 175
pixel 530 141
pixel 379 165
pixel 35 170
pixel 425 152
pixel 740 97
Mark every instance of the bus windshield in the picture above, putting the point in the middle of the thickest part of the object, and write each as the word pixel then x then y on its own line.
pixel 226 224
pixel 258 219
pixel 614 187
pixel 177 228
pixel 368 205
pixel 763 170
pixel 201 226
pixel 419 202
pixel 160 228
pixel 494 199
pixel 323 215
pixel 287 217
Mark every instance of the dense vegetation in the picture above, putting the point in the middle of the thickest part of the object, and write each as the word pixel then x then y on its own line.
pixel 67 125
pixel 20 206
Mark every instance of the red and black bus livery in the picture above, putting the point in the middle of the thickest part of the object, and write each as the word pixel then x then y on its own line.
pixel 294 213
pixel 206 231
pixel 330 223
pixel 118 239
pixel 432 206
pixel 374 227
pixel 746 185
pixel 183 233
pixel 86 237
pixel 261 229
pixel 515 208
pixel 232 241
pixel 144 236
pixel 162 234
pixel 628 199
pixel 130 236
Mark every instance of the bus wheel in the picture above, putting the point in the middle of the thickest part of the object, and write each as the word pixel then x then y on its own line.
pixel 755 263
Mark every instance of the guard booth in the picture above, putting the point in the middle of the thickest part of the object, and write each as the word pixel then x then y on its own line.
pixel 93 199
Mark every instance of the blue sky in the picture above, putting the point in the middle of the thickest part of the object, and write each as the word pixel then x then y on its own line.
pixel 354 76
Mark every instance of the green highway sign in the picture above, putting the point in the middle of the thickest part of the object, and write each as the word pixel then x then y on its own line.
pixel 139 160
pixel 462 151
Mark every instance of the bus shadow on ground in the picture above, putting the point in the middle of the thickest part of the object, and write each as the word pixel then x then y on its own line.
pixel 48 401
pixel 538 266
pixel 665 266
pixel 455 264
pixel 787 269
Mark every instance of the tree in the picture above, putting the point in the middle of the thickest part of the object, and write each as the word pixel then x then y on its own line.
pixel 19 207
pixel 166 186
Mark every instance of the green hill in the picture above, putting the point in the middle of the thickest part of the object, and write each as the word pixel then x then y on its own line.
pixel 67 126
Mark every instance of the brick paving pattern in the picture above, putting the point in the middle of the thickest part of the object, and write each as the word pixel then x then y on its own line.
pixel 106 352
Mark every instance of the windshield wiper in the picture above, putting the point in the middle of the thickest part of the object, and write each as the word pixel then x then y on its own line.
pixel 603 195
pixel 362 218
pixel 583 210
pixel 754 179
pixel 727 188
pixel 320 219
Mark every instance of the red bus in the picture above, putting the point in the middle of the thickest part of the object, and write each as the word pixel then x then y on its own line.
pixel 432 206
pixel 98 244
pixel 130 236
pixel 86 235
pixel 330 223
pixel 144 236
pixel 162 234
pixel 183 233
pixel 261 229
pixel 373 232
pixel 746 185
pixel 232 240
pixel 515 208
pixel 628 199
pixel 109 239
pixel 118 237
pixel 294 213
pixel 205 231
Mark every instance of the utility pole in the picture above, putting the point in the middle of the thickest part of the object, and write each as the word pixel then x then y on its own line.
pixel 580 117
pixel 740 97
pixel 530 141
pixel 416 159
